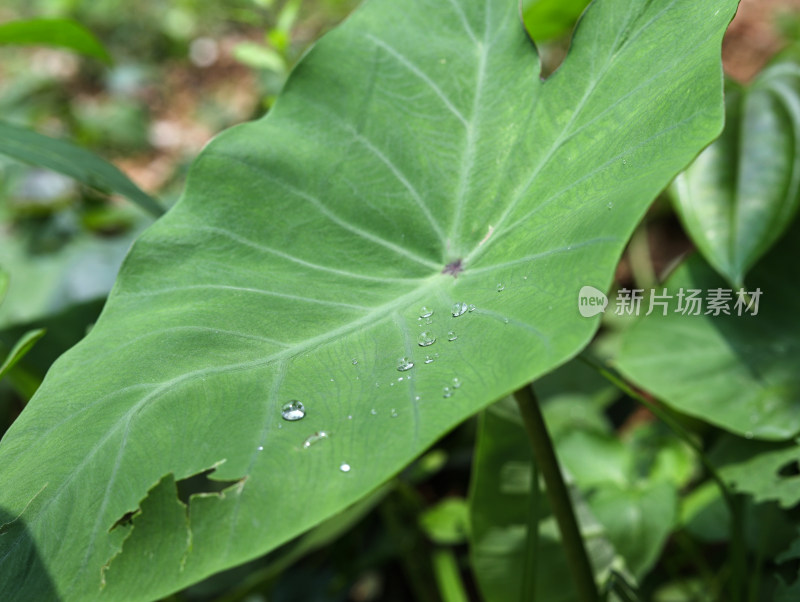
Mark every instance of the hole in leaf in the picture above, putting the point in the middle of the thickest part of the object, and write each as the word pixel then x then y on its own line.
pixel 125 520
pixel 790 469
pixel 201 483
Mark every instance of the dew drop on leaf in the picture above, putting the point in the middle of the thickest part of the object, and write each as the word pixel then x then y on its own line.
pixel 428 359
pixel 459 309
pixel 500 287
pixel 311 440
pixel 452 336
pixel 425 312
pixel 293 410
pixel 456 382
pixel 426 339
pixel 447 392
pixel 472 307
pixel 344 467
pixel 355 361
pixel 394 413
pixel 404 364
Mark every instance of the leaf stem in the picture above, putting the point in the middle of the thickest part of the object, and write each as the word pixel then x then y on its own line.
pixel 531 566
pixel 560 501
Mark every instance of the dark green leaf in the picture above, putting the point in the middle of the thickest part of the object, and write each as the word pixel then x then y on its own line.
pixel 766 470
pixel 741 193
pixel 73 161
pixel 19 350
pixel 735 371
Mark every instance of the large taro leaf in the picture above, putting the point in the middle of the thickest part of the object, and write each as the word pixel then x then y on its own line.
pixel 414 137
pixel 741 193
pixel 738 371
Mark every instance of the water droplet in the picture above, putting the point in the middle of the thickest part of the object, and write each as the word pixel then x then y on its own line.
pixel 394 413
pixel 344 467
pixel 349 416
pixel 428 321
pixel 260 448
pixel 459 309
pixel 425 312
pixel 472 307
pixel 293 410
pixel 400 379
pixel 452 336
pixel 748 435
pixel 610 205
pixel 500 287
pixel 456 382
pixel 505 320
pixel 426 339
pixel 428 359
pixel 374 412
pixel 447 392
pixel 391 384
pixel 624 161
pixel 355 362
pixel 524 277
pixel 404 364
pixel 417 398
pixel 311 440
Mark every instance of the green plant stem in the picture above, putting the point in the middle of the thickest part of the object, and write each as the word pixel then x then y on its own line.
pixel 560 501
pixel 738 557
pixel 448 578
pixel 529 576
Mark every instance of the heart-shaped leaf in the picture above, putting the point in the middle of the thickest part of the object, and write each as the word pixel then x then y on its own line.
pixel 414 161
pixel 741 193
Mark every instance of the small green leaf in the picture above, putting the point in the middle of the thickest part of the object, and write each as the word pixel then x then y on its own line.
pixel 20 349
pixel 62 33
pixel 767 471
pixel 73 161
pixel 736 371
pixel 447 522
pixel 739 196
pixel 548 19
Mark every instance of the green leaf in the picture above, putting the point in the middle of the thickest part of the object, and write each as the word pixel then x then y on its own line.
pixel 739 196
pixel 548 19
pixel 73 161
pixel 638 520
pixel 19 350
pixel 447 522
pixel 768 471
pixel 63 33
pixel 735 371
pixel 499 506
pixel 413 144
